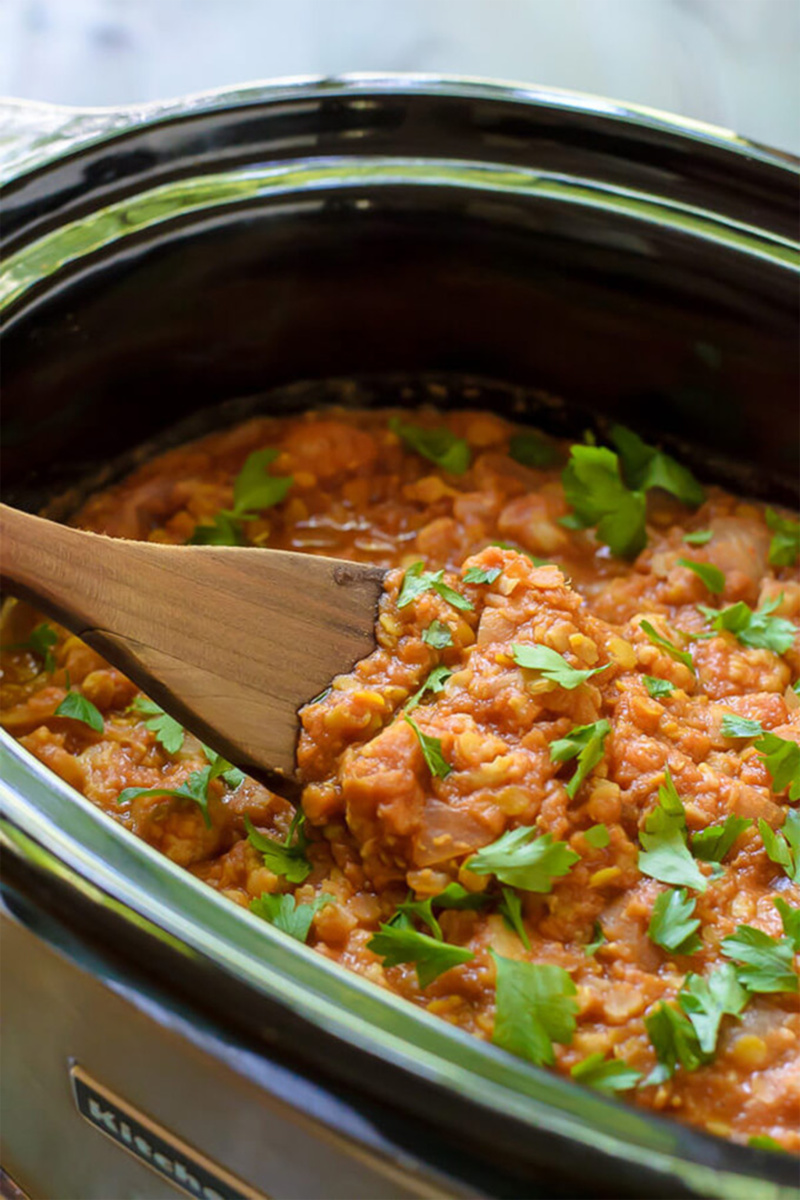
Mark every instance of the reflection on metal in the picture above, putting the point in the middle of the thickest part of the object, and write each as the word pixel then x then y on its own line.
pixel 68 244
pixel 152 1144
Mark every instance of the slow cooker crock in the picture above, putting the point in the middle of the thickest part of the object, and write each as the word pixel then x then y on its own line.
pixel 377 238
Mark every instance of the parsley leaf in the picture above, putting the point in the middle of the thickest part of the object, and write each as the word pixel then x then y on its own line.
pixel 790 919
pixel 598 939
pixel 675 1042
pixel 700 537
pixel 711 576
pixel 77 707
pixel 435 682
pixel 740 727
pixel 598 836
pixel 439 446
pixel 758 630
pixel 417 581
pixel 194 788
pixel 286 914
pixel 607 1075
pixel 453 896
pixel 782 759
pixel 783 846
pixel 226 771
pixel 764 962
pixel 431 957
pixel 657 689
pixel 665 855
pixel 254 489
pixel 534 1008
pixel 532 449
pixel 552 665
pixel 479 575
pixel 707 1001
pixel 437 635
pixel 785 545
pixel 40 642
pixel 598 496
pixel 586 742
pixel 431 751
pixel 763 1141
pixel 673 925
pixel 169 732
pixel 522 859
pixel 646 467
pixel 287 858
pixel 713 843
pixel 510 908
pixel 655 637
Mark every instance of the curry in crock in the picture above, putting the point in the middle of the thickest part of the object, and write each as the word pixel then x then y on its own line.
pixel 557 806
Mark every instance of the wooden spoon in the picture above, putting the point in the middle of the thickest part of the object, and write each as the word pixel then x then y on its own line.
pixel 231 641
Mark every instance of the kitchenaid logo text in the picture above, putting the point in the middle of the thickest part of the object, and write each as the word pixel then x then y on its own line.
pixel 166 1154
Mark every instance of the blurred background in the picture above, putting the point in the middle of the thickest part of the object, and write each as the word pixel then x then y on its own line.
pixel 734 63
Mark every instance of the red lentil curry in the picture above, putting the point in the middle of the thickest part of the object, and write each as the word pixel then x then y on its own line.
pixel 557 806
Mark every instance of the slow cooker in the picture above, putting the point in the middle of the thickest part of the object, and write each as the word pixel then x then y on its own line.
pixel 552 255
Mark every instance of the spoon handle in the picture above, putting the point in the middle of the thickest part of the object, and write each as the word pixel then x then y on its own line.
pixel 229 640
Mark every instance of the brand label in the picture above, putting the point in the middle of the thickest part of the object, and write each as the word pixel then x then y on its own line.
pixel 169 1156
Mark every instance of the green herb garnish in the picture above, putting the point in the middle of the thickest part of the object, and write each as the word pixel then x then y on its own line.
pixel 711 576
pixel 437 635
pixel 479 575
pixel 584 742
pixel 594 488
pixel 510 908
pixel 417 581
pixel 598 939
pixel 762 1141
pixel 552 665
pixel 286 914
pixel 700 537
pixel 439 446
pixel 784 548
pixel 607 1075
pixel 782 759
pixel 399 943
pixel 758 630
pixel 790 919
pixel 431 751
pixel 707 1001
pixel 286 858
pixel 764 963
pixel 435 682
pixel 681 656
pixel 665 855
pixel 40 642
pixel 713 843
pixel 673 925
pixel 532 449
pixel 194 788
pixel 657 689
pixel 645 467
pixel 78 708
pixel 740 727
pixel 783 846
pixel 254 489
pixel 535 1007
pixel 524 859
pixel 169 733
pixel 675 1042
pixel 598 836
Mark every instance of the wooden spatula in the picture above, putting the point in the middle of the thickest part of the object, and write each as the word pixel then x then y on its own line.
pixel 230 641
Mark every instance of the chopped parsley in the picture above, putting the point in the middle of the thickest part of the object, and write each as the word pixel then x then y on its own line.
pixel 657 689
pixel 78 708
pixel 435 682
pixel 169 733
pixel 437 635
pixel 764 963
pixel 598 939
pixel 227 772
pixel 707 1000
pixel 479 575
pixel 740 727
pixel 782 759
pixel 254 489
pixel 431 751
pixel 584 742
pixel 664 855
pixel 524 860
pixel 286 914
pixel 699 537
pixel 711 576
pixel 510 908
pixel 453 896
pixel 286 858
pixel 594 488
pixel 675 1042
pixel 763 1141
pixel 757 630
pixel 552 665
pixel 646 467
pixel 535 1007
pixel 713 843
pixel 681 656
pixel 417 581
pixel 783 846
pixel 784 548
pixel 790 919
pixel 399 943
pixel 673 925
pixel 532 449
pixel 598 836
pixel 440 446
pixel 607 1075
pixel 194 788
pixel 40 642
